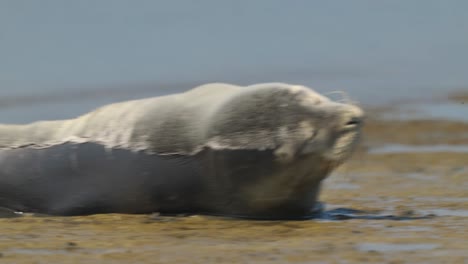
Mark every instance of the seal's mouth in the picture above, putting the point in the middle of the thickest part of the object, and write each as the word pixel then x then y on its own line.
pixel 336 143
pixel 348 133
pixel 345 144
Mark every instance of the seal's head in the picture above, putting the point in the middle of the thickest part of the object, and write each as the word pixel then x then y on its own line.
pixel 275 143
pixel 337 126
pixel 292 120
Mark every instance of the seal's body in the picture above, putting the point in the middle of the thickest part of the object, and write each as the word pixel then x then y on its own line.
pixel 259 151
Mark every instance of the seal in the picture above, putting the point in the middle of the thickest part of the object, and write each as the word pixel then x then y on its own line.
pixel 258 151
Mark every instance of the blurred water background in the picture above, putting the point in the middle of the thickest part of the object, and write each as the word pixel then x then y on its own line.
pixel 59 59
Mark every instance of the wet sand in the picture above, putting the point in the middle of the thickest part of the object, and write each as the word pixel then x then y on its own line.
pixel 381 207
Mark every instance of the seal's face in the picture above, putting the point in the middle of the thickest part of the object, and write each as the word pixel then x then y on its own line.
pixel 337 127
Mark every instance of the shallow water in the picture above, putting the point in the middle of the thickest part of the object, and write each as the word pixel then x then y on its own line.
pixel 445 212
pixel 385 247
pixel 442 110
pixel 397 148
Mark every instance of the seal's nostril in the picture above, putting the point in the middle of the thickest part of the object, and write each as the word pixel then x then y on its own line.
pixel 352 117
pixel 354 121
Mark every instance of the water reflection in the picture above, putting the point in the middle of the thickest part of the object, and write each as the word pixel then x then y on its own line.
pixel 398 148
pixel 388 247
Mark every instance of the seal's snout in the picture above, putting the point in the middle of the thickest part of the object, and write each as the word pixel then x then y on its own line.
pixel 353 117
pixel 353 122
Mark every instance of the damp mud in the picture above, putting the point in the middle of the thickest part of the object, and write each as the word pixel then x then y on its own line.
pixel 402 198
